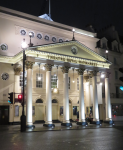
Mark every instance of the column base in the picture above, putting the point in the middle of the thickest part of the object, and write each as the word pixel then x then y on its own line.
pixel 95 122
pixel 82 123
pixel 109 122
pixel 30 126
pixel 66 124
pixel 48 125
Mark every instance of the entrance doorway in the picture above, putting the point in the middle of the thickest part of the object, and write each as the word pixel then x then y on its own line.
pixel 4 115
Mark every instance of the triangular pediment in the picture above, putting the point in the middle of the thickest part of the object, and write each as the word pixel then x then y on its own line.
pixel 72 49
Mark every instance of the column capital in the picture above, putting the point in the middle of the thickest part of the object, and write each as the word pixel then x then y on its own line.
pixel 86 78
pixel 29 64
pixel 107 74
pixel 94 73
pixel 80 71
pixel 65 69
pixel 17 71
pixel 48 67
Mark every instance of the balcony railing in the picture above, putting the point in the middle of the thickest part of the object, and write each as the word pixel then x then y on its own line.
pixel 114 95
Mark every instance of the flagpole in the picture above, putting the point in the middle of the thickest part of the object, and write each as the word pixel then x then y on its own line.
pixel 49 9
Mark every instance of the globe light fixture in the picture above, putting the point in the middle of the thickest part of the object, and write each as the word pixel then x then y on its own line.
pixel 43 68
pixel 30 35
pixel 24 44
pixel 102 75
pixel 100 83
pixel 39 76
pixel 106 53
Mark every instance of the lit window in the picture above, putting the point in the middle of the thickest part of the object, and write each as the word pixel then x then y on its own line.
pixel 39 83
pixel 68 82
pixel 54 81
pixel 77 83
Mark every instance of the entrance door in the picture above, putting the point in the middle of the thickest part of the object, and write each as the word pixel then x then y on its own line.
pixel 4 115
pixel 39 112
pixel 54 112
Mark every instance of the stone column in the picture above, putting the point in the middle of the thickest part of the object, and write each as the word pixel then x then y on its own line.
pixel 29 122
pixel 107 99
pixel 48 122
pixel 66 121
pixel 17 81
pixel 95 98
pixel 81 99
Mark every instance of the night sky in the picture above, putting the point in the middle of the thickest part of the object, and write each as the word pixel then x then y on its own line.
pixel 76 13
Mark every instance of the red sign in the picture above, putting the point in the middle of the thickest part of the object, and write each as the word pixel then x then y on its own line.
pixel 19 96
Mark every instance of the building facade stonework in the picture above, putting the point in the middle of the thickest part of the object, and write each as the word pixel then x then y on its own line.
pixel 53 91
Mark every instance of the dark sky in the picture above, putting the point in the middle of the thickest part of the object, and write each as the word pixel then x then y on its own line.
pixel 77 13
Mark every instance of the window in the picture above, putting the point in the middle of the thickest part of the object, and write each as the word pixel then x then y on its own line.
pixel 116 75
pixel 115 62
pixel 117 92
pixel 39 101
pixel 115 48
pixel 117 110
pixel 16 110
pixel 54 81
pixel 39 83
pixel 54 101
pixel 21 78
pixel 77 83
pixel 68 82
pixel 104 45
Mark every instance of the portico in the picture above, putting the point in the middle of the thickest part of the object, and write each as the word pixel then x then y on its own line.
pixel 65 55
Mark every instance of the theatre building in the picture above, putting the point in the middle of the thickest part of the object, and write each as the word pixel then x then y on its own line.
pixel 63 72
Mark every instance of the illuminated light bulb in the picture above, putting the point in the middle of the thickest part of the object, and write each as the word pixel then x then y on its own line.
pixel 23 45
pixel 55 90
pixel 30 33
pixel 73 30
pixel 39 78
pixel 106 51
pixel 102 75
pixel 100 83
pixel 73 81
pixel 43 68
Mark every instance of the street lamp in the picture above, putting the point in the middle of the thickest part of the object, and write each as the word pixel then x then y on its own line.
pixel 30 35
pixel 73 35
pixel 107 53
pixel 23 117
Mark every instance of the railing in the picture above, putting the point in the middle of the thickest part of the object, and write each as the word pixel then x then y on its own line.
pixel 114 95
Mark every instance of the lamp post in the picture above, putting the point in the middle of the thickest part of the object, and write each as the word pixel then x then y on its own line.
pixel 107 53
pixel 30 35
pixel 23 117
pixel 73 35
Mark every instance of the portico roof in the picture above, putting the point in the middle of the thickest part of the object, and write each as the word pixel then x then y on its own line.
pixel 70 51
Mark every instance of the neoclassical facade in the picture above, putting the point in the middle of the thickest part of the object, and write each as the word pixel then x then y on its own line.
pixel 63 76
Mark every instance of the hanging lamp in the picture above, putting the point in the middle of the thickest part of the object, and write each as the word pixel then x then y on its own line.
pixel 39 75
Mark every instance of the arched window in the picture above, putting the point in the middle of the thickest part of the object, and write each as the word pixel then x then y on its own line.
pixel 39 101
pixel 54 101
